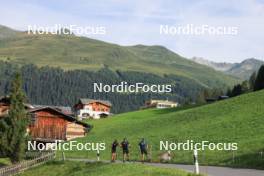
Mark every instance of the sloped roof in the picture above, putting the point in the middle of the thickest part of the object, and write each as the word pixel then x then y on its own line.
pixel 65 109
pixel 88 101
pixel 6 100
pixel 67 117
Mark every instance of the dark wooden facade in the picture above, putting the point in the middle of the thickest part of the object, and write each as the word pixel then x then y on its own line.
pixel 47 125
pixel 51 124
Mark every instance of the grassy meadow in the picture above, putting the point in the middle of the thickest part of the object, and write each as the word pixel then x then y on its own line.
pixel 95 169
pixel 5 162
pixel 237 120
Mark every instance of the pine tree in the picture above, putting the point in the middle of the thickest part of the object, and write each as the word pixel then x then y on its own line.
pixel 245 87
pixel 259 83
pixel 200 99
pixel 14 126
pixel 229 92
pixel 237 90
pixel 252 80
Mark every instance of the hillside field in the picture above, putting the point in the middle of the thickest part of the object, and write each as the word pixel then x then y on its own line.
pixel 237 120
pixel 71 52
pixel 81 168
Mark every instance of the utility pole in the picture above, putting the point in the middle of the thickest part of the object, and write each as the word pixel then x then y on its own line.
pixel 195 157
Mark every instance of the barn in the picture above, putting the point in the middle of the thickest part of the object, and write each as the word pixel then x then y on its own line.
pixel 49 124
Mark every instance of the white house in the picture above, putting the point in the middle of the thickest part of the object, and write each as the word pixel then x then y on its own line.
pixel 91 108
pixel 160 104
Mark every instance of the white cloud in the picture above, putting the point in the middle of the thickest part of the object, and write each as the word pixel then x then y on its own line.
pixel 134 22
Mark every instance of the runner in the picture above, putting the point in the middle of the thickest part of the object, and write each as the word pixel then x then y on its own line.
pixel 143 146
pixel 114 146
pixel 125 146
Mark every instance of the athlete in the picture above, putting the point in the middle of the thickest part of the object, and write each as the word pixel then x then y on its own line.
pixel 125 147
pixel 143 146
pixel 114 146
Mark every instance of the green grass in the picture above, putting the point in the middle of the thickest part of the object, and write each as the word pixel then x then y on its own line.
pixel 238 120
pixel 4 162
pixel 100 169
pixel 72 52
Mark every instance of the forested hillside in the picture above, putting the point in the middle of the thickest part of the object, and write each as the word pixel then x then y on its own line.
pixel 54 86
pixel 71 52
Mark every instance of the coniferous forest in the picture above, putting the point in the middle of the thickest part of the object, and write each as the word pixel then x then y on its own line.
pixel 54 86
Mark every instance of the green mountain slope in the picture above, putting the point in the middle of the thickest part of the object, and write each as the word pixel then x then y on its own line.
pixel 7 33
pixel 238 120
pixel 72 52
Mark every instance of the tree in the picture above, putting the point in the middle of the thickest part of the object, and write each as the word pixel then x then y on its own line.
pixel 200 99
pixel 229 92
pixel 245 87
pixel 252 80
pixel 259 83
pixel 237 90
pixel 13 128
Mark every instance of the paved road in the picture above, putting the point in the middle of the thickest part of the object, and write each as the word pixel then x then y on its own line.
pixel 208 170
pixel 215 171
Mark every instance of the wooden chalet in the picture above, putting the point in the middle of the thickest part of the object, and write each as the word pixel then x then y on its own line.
pixel 48 124
pixel 91 108
pixel 5 105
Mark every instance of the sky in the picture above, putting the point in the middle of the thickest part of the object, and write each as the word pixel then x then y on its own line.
pixel 131 22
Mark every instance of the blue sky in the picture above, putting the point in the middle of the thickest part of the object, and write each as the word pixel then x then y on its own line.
pixel 138 22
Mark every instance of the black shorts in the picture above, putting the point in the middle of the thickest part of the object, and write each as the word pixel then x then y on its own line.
pixel 143 151
pixel 113 150
pixel 125 151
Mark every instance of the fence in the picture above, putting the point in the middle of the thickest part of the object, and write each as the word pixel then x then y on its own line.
pixel 24 165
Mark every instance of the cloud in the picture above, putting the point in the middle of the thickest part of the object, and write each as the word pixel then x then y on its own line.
pixel 138 21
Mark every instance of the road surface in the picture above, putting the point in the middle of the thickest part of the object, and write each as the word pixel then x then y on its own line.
pixel 207 170
pixel 213 170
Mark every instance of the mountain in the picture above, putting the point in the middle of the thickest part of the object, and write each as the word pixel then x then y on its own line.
pixel 245 69
pixel 6 32
pixel 241 70
pixel 217 66
pixel 71 52
pixel 237 120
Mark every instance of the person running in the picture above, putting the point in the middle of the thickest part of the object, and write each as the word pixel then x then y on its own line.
pixel 125 146
pixel 114 146
pixel 143 149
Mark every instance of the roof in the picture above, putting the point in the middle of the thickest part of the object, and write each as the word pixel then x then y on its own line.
pixel 65 109
pixel 6 100
pixel 88 101
pixel 67 117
